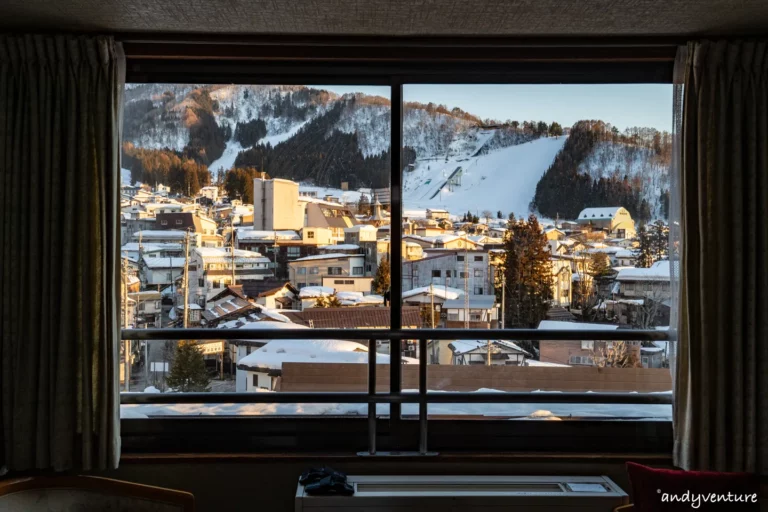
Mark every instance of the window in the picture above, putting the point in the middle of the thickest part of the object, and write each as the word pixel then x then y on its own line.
pixel 436 147
pixel 478 272
pixel 216 284
pixel 334 271
pixel 587 345
pixel 163 222
pixel 338 281
pixel 368 268
pixel 582 360
pixel 169 276
pixel 178 222
pixel 201 282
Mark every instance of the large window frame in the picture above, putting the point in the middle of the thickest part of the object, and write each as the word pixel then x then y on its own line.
pixel 364 61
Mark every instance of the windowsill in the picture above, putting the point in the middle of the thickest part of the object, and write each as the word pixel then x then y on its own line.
pixel 185 458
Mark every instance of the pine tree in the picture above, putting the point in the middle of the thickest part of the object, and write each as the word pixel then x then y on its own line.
pixel 659 240
pixel 381 281
pixel 364 205
pixel 188 371
pixel 499 215
pixel 599 265
pixel 643 251
pixel 527 273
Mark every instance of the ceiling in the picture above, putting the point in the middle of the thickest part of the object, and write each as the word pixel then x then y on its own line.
pixel 394 17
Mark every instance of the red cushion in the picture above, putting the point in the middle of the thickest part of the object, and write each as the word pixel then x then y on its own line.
pixel 669 490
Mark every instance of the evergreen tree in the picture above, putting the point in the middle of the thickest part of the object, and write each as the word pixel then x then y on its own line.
pixel 659 240
pixel 643 250
pixel 555 130
pixel 599 265
pixel 364 205
pixel 499 215
pixel 381 281
pixel 238 183
pixel 188 373
pixel 527 272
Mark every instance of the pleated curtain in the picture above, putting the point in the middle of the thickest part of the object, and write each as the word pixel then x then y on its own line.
pixel 721 375
pixel 60 109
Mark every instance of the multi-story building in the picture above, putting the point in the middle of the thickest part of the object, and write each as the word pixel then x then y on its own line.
pixel 614 221
pixel 213 268
pixel 309 271
pixel 462 269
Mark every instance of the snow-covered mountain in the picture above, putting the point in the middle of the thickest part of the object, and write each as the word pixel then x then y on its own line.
pixel 322 138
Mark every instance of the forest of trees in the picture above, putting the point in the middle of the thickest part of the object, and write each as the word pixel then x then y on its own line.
pixel 322 155
pixel 163 166
pixel 564 191
pixel 251 132
pixel 238 183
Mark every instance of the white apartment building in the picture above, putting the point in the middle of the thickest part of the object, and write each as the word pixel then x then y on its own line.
pixel 211 270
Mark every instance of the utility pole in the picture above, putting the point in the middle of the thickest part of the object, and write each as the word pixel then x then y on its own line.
pixel 185 282
pixel 432 305
pixel 232 244
pixel 503 298
pixel 466 281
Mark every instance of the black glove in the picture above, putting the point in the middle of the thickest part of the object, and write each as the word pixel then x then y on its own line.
pixel 314 475
pixel 331 485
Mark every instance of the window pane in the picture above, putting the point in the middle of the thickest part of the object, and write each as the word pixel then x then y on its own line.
pixel 254 206
pixel 537 206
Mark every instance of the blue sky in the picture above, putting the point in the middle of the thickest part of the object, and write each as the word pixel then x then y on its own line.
pixel 622 105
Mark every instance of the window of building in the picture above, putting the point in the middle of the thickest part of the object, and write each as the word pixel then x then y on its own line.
pixel 587 345
pixel 163 222
pixel 334 271
pixel 478 272
pixel 483 185
pixel 217 284
pixel 178 222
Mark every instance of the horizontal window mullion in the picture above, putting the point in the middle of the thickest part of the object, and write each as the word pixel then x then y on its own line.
pixel 430 397
pixel 390 334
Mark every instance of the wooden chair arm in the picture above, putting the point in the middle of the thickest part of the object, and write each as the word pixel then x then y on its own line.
pixel 624 508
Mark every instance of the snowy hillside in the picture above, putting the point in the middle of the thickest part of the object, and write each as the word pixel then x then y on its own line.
pixel 504 179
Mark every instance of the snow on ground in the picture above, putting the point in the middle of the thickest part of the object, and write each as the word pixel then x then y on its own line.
pixel 543 411
pixel 344 196
pixel 227 159
pixel 503 179
pixel 277 138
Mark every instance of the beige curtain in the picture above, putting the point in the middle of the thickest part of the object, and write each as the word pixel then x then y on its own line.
pixel 721 388
pixel 60 99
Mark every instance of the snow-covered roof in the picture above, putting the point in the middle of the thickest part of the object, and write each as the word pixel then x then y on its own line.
pixel 192 306
pixel 360 227
pixel 475 302
pixel 555 325
pixel 151 247
pixel 247 234
pixel 444 292
pixel 607 212
pixel 329 256
pixel 276 352
pixel 339 247
pixel 309 292
pixel 161 262
pixel 354 298
pixel 224 255
pixel 659 271
pixel 464 346
pixel 155 234
pixel 533 362
pixel 274 314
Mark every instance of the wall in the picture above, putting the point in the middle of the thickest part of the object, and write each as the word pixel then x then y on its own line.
pixel 353 377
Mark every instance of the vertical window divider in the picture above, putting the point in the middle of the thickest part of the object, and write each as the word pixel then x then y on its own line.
pixel 372 395
pixel 395 247
pixel 423 396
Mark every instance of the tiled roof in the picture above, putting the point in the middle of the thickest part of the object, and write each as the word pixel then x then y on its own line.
pixel 353 317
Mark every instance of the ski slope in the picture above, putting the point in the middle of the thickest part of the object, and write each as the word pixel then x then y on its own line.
pixel 504 179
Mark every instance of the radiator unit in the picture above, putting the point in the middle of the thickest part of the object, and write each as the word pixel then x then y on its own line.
pixel 470 494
